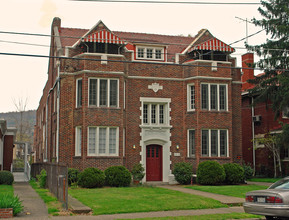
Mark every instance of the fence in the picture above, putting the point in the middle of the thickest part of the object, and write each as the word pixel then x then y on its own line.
pixel 57 179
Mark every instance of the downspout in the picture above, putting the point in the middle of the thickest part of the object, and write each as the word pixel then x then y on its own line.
pixel 57 112
pixel 2 153
pixel 253 138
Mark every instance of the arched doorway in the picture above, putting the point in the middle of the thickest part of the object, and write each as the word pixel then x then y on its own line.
pixel 154 169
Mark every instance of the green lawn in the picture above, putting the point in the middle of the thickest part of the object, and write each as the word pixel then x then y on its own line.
pixel 266 180
pixel 6 189
pixel 213 217
pixel 228 190
pixel 139 199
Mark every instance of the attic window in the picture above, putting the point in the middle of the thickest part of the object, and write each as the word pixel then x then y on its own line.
pixel 150 53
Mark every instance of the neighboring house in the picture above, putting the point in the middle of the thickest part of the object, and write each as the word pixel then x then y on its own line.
pixel 122 98
pixel 258 121
pixel 7 138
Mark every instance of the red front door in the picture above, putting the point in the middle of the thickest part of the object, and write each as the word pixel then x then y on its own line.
pixel 154 163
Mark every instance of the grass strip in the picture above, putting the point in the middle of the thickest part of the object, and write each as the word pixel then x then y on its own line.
pixel 53 205
pixel 265 180
pixel 208 217
pixel 139 199
pixel 228 190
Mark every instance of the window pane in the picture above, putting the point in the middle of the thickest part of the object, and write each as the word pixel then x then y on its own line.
pixel 149 53
pixel 79 93
pixel 78 142
pixel 140 52
pixel 214 99
pixel 158 54
pixel 93 92
pixel 223 97
pixel 161 114
pixel 214 142
pixel 223 142
pixel 113 93
pixel 205 142
pixel 145 113
pixel 192 98
pixel 153 114
pixel 205 100
pixel 92 140
pixel 112 140
pixel 192 142
pixel 102 140
pixel 103 92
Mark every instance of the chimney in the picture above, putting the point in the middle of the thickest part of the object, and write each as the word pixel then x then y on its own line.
pixel 247 59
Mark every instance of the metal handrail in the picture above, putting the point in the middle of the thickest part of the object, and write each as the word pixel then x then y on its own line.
pixel 28 170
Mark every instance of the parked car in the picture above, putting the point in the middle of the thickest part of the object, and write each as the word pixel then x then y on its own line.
pixel 272 202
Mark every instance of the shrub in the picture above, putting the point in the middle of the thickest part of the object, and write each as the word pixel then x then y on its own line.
pixel 138 172
pixel 234 173
pixel 42 178
pixel 183 172
pixel 72 176
pixel 91 178
pixel 248 172
pixel 210 173
pixel 117 176
pixel 11 201
pixel 6 177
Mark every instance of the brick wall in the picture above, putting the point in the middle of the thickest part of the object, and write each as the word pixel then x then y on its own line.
pixel 6 213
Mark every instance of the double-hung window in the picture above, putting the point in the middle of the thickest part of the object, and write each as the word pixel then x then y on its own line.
pixel 191 97
pixel 103 141
pixel 78 141
pixel 214 97
pixel 103 92
pixel 78 92
pixel 191 143
pixel 215 143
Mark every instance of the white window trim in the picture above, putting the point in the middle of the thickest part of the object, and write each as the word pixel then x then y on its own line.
pixel 77 93
pixel 162 49
pixel 218 95
pixel 108 92
pixel 188 144
pixel 189 104
pixel 106 142
pixel 157 101
pixel 219 143
pixel 284 112
pixel 78 133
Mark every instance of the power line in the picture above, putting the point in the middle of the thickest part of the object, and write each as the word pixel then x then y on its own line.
pixel 172 2
pixel 128 61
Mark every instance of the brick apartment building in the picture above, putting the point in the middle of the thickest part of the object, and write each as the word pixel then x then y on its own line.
pixel 258 121
pixel 120 98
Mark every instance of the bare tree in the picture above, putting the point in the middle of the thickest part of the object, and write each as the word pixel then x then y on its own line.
pixel 20 105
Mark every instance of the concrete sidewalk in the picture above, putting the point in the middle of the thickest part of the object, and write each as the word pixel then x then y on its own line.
pixel 34 207
pixel 228 200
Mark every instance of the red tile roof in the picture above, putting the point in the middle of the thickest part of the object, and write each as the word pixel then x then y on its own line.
pixel 175 44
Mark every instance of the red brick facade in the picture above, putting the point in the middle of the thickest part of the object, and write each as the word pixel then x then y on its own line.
pixel 152 99
pixel 265 123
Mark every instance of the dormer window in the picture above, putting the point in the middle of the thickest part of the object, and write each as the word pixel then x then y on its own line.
pixel 150 53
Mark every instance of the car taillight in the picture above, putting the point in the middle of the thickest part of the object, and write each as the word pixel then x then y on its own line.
pixel 274 199
pixel 249 199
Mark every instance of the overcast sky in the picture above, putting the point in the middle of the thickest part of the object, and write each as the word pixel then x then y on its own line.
pixel 25 77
